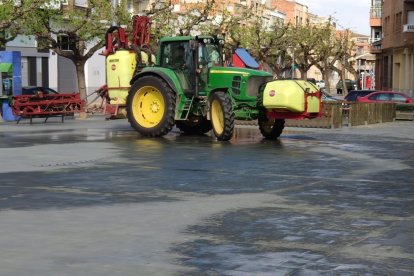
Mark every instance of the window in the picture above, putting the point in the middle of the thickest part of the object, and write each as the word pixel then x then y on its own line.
pixel 410 17
pixel 175 54
pixel 381 97
pixel 398 22
pixel 386 26
pixel 65 43
pixel 399 98
pixel 130 6
pixel 81 3
pixel 209 55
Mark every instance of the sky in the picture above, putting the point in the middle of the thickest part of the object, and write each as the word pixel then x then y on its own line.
pixel 349 14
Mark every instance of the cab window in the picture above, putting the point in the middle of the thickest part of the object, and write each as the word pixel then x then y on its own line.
pixel 209 54
pixel 176 55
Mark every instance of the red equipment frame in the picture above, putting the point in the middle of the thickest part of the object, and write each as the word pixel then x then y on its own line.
pixel 141 31
pixel 46 105
pixel 117 38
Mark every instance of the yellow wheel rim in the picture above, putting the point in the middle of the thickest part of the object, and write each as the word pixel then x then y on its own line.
pixel 217 117
pixel 148 106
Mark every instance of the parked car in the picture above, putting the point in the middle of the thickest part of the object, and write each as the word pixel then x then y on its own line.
pixel 320 84
pixel 354 94
pixel 350 85
pixel 326 97
pixel 32 90
pixel 312 80
pixel 386 97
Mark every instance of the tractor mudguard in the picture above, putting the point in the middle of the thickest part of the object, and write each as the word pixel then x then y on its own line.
pixel 224 89
pixel 159 74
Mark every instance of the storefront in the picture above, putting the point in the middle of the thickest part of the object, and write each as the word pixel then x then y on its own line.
pixel 10 80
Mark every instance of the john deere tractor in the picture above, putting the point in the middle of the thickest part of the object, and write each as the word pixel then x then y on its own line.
pixel 189 87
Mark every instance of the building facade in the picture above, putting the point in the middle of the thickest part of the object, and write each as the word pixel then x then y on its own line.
pixel 392 40
pixel 296 13
pixel 34 62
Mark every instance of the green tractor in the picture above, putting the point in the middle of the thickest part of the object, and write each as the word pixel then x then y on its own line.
pixel 189 87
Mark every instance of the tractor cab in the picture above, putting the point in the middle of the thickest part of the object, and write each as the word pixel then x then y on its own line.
pixel 191 58
pixel 209 55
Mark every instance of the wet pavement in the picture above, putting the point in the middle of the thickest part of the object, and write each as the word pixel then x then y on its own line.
pixel 92 197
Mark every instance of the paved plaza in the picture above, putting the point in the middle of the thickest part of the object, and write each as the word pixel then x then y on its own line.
pixel 93 197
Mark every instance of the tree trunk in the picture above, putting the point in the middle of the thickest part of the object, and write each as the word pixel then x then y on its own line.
pixel 325 77
pixel 344 88
pixel 80 73
pixel 303 74
pixel 356 77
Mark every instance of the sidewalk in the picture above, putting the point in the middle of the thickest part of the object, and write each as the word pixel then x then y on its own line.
pixel 397 129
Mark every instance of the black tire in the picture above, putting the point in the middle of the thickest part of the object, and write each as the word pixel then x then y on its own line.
pixel 270 128
pixel 194 126
pixel 222 116
pixel 151 106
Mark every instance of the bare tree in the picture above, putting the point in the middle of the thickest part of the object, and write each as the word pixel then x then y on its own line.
pixel 344 54
pixel 189 19
pixel 82 28
pixel 326 52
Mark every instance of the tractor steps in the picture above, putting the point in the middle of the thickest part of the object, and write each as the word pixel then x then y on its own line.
pixel 185 105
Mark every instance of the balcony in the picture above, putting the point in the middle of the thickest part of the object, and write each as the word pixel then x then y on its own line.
pixel 408 28
pixel 375 12
pixel 375 45
pixel 375 40
pixel 375 19
pixel 375 49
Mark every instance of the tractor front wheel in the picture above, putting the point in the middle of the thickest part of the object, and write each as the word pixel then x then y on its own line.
pixel 222 116
pixel 270 128
pixel 151 106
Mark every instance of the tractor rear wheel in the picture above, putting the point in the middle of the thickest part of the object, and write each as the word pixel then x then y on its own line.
pixel 270 128
pixel 151 106
pixel 194 125
pixel 221 115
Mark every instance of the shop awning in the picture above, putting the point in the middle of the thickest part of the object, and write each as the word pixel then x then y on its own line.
pixel 6 68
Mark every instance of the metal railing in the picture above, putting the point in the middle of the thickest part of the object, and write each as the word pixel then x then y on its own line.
pixel 373 40
pixel 376 12
pixel 338 115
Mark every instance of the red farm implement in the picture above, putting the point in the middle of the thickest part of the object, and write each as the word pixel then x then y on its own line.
pixel 45 106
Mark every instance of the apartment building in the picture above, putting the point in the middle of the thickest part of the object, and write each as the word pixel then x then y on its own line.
pixel 296 13
pixel 392 41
